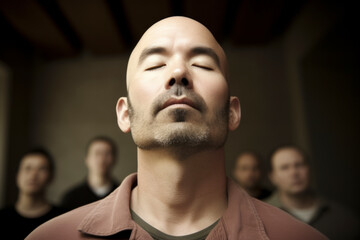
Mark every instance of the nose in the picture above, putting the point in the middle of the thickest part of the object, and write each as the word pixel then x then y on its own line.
pixel 180 76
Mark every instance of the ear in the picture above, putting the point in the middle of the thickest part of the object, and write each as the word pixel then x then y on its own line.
pixel 122 113
pixel 234 113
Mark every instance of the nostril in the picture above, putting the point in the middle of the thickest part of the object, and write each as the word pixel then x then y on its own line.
pixel 172 81
pixel 185 81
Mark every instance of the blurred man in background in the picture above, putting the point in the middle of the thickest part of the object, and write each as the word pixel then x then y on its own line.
pixel 290 173
pixel 100 160
pixel 248 174
pixel 35 173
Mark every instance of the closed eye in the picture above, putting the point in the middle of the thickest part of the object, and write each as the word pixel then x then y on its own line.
pixel 155 67
pixel 203 67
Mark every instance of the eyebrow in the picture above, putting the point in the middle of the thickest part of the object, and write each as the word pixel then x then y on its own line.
pixel 193 52
pixel 150 51
pixel 206 51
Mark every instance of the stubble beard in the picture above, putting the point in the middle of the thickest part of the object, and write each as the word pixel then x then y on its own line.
pixel 180 137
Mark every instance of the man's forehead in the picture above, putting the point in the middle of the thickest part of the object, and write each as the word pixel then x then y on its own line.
pixel 175 30
pixel 288 156
pixel 177 34
pixel 30 158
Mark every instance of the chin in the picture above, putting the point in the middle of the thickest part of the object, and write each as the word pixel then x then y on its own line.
pixel 298 191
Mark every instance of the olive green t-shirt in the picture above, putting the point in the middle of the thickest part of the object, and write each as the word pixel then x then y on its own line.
pixel 158 235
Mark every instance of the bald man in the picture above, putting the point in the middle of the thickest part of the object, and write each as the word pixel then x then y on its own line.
pixel 179 112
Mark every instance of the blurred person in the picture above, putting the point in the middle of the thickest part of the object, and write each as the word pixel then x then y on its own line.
pixel 100 159
pixel 179 112
pixel 32 208
pixel 248 174
pixel 290 174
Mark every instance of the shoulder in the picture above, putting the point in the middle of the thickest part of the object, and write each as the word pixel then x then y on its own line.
pixel 75 193
pixel 334 218
pixel 280 225
pixel 56 210
pixel 340 211
pixel 8 211
pixel 67 222
pixel 78 187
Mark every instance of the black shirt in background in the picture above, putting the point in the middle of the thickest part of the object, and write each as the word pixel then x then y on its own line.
pixel 263 194
pixel 15 226
pixel 81 195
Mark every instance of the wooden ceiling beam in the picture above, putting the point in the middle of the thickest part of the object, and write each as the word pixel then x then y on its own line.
pixel 142 14
pixel 255 20
pixel 94 24
pixel 211 13
pixel 32 22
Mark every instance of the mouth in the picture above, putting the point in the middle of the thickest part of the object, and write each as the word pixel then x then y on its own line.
pixel 179 102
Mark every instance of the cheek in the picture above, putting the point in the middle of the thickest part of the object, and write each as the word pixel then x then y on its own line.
pixel 282 179
pixel 20 179
pixel 144 89
pixel 213 89
pixel 108 161
pixel 44 177
pixel 305 174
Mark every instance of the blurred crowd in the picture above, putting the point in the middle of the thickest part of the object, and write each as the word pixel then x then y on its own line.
pixel 293 191
pixel 35 173
pixel 286 183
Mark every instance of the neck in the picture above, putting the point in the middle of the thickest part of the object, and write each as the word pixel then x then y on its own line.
pixel 180 196
pixel 97 180
pixel 298 201
pixel 32 205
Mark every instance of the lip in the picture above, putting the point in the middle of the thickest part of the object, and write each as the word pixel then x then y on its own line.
pixel 179 101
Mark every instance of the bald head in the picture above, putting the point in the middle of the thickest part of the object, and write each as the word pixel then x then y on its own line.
pixel 171 36
pixel 176 82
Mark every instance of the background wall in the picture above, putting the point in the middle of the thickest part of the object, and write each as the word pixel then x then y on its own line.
pixel 287 89
pixel 4 79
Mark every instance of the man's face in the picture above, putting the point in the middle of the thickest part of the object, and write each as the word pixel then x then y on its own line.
pixel 99 159
pixel 177 92
pixel 290 172
pixel 247 171
pixel 34 174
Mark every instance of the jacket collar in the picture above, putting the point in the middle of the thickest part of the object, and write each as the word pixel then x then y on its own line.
pixel 112 215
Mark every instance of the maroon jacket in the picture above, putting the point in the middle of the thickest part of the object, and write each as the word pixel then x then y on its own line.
pixel 245 218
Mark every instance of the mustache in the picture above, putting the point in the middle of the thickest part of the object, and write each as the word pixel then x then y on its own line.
pixel 197 101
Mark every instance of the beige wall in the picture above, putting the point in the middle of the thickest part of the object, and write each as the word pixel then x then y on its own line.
pixel 308 28
pixel 73 101
pixel 257 78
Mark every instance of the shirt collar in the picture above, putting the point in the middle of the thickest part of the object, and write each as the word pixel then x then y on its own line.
pixel 112 214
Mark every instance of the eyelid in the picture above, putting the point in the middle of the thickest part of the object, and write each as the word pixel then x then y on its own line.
pixel 155 67
pixel 203 66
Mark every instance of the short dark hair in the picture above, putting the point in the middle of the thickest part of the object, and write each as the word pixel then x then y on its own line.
pixel 250 152
pixel 46 154
pixel 256 155
pixel 282 147
pixel 105 139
